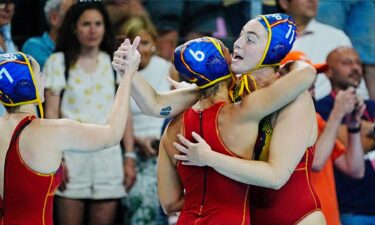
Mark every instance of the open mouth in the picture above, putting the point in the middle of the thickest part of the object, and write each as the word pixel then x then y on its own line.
pixel 236 57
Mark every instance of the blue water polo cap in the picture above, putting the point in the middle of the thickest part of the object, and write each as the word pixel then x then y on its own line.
pixel 201 61
pixel 17 81
pixel 281 30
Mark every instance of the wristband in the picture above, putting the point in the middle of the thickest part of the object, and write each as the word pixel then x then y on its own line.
pixel 130 155
pixel 354 130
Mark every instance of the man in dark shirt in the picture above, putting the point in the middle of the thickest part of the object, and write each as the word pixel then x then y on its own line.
pixel 356 196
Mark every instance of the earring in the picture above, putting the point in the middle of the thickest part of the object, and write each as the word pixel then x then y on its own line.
pixel 153 49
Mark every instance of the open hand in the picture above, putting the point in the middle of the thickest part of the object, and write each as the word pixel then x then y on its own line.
pixel 181 85
pixel 194 154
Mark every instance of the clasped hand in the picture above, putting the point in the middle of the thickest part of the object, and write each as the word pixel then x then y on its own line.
pixel 127 57
pixel 193 154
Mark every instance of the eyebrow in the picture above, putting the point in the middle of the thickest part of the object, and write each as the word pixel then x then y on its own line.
pixel 252 32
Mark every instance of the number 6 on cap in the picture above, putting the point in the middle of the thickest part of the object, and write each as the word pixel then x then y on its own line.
pixel 198 55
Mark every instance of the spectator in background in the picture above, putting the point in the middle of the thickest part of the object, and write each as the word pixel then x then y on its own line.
pixel 180 20
pixel 167 18
pixel 6 41
pixel 355 196
pixel 269 6
pixel 200 18
pixel 41 47
pixel 142 202
pixel 316 40
pixel 331 152
pixel 32 12
pixel 6 15
pixel 237 13
pixel 357 19
pixel 81 86
pixel 175 19
pixel 120 10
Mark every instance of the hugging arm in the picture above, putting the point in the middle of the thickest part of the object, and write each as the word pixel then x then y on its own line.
pixel 281 92
pixel 294 131
pixel 164 104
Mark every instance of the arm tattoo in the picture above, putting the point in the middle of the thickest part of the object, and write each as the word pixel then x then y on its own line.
pixel 166 111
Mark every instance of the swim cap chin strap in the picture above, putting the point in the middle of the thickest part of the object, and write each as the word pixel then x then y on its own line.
pixel 38 100
pixel 236 91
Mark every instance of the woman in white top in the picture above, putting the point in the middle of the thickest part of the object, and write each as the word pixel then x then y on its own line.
pixel 81 86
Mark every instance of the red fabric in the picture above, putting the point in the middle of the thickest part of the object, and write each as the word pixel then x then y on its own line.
pixel 28 195
pixel 291 203
pixel 1 211
pixel 210 198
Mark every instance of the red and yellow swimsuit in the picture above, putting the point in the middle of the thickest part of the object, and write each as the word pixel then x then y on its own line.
pixel 28 195
pixel 210 198
pixel 291 203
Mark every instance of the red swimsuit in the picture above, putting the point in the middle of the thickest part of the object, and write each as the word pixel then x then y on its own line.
pixel 28 195
pixel 291 203
pixel 210 198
